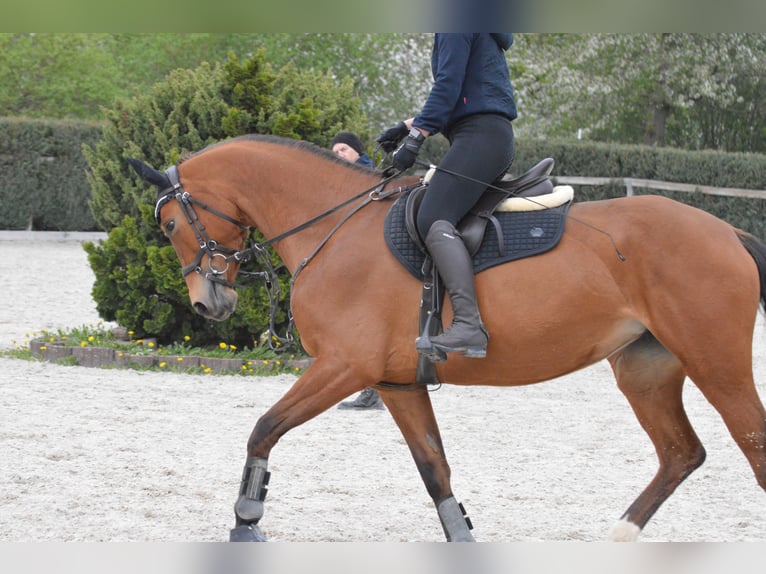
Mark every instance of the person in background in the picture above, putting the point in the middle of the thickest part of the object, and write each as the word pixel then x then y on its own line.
pixel 471 102
pixel 348 146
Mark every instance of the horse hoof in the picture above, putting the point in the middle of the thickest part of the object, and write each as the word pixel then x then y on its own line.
pixel 246 533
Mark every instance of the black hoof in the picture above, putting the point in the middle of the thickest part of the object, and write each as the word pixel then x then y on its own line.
pixel 246 533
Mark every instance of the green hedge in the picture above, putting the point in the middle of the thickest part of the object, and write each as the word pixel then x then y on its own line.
pixel 42 174
pixel 717 169
pixel 43 181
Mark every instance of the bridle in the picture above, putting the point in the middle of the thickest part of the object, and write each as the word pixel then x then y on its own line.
pixel 219 256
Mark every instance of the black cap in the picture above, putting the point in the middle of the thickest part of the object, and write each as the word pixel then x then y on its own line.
pixel 350 139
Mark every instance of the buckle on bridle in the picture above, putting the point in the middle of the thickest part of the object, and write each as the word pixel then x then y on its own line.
pixel 211 267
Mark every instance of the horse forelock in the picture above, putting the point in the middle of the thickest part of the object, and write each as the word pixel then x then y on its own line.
pixel 287 142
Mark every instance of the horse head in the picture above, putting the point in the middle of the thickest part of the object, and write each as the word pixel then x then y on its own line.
pixel 208 242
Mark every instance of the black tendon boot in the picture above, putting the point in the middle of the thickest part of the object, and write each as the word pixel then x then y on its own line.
pixel 453 262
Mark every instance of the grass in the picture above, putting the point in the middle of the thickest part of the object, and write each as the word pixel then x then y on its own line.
pixel 258 361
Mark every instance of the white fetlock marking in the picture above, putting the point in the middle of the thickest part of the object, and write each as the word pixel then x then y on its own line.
pixel 625 531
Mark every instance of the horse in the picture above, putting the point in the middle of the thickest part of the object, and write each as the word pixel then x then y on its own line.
pixel 661 290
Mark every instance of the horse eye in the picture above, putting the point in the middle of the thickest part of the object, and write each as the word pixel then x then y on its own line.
pixel 169 226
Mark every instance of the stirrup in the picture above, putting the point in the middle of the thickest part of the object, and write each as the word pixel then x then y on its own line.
pixel 469 352
pixel 475 351
pixel 427 349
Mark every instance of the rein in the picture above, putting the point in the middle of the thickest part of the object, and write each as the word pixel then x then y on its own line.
pixel 374 193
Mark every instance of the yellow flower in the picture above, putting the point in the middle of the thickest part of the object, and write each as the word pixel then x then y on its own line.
pixel 233 347
pixel 179 359
pixel 51 340
pixel 278 362
pixel 131 333
pixel 244 367
pixel 83 343
pixel 91 338
pixel 187 338
pixel 202 366
pixel 265 362
pixel 150 344
pixel 43 348
pixel 222 345
pixel 163 364
pixel 208 371
pixel 120 354
pixel 250 363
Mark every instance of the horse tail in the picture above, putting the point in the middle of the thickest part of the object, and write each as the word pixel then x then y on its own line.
pixel 757 250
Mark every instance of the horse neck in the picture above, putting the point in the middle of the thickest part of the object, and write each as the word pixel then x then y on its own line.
pixel 295 187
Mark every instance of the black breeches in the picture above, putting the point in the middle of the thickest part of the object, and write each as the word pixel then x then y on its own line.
pixel 482 148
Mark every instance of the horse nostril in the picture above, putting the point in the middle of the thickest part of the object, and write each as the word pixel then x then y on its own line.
pixel 200 308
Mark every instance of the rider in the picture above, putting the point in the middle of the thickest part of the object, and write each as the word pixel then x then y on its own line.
pixel 471 102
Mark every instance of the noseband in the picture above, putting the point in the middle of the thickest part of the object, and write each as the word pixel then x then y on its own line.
pixel 219 257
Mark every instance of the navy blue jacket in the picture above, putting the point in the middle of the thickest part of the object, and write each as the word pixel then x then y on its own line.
pixel 470 77
pixel 364 160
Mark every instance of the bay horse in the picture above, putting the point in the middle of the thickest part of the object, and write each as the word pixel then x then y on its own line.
pixel 661 290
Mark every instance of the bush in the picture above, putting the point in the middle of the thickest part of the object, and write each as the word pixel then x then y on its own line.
pixel 138 279
pixel 42 174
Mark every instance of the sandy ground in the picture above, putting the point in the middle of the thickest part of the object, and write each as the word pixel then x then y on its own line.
pixel 119 455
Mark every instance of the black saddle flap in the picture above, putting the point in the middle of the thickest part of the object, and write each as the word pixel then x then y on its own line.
pixel 524 233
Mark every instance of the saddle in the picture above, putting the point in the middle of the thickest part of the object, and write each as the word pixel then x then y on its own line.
pixel 527 215
pixel 472 227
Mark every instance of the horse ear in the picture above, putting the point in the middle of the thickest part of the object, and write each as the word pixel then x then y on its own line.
pixel 149 174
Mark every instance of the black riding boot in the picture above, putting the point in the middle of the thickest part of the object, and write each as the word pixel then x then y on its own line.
pixel 453 262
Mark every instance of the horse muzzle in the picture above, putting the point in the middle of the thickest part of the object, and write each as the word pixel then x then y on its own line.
pixel 215 301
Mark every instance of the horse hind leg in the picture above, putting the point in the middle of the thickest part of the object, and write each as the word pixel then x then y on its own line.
pixel 413 414
pixel 730 388
pixel 652 379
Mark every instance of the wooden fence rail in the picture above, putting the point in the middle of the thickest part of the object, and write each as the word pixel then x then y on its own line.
pixel 630 183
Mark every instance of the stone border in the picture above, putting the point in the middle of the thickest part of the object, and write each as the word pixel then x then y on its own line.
pixel 105 357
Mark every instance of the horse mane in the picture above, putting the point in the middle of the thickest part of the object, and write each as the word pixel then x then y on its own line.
pixel 288 142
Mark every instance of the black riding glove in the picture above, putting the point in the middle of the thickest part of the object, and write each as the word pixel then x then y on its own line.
pixel 390 138
pixel 404 157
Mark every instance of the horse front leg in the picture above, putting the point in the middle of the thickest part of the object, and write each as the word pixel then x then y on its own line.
pixel 413 413
pixel 318 389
